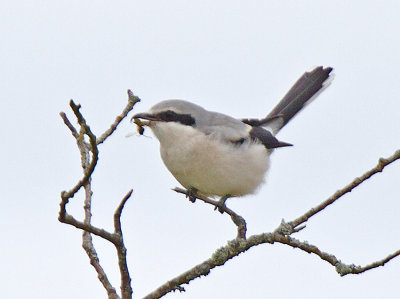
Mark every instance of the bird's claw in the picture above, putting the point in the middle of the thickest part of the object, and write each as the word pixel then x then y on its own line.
pixel 221 204
pixel 191 194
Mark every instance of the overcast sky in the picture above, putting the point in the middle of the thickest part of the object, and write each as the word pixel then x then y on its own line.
pixel 235 57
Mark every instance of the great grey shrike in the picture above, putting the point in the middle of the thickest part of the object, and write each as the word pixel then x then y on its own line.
pixel 217 155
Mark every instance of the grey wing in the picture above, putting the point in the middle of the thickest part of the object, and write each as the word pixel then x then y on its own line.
pixel 234 131
pixel 223 127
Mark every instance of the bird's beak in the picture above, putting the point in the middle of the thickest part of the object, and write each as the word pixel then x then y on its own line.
pixel 144 119
pixel 137 118
pixel 147 116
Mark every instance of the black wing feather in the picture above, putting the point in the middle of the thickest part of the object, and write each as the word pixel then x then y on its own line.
pixel 266 138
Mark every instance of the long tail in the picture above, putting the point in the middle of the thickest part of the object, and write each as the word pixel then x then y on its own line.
pixel 307 87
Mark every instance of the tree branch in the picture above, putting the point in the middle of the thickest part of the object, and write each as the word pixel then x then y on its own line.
pixel 237 246
pixel 132 100
pixel 237 219
pixel 352 269
pixel 68 219
pixel 88 169
pixel 69 125
pixel 280 235
pixel 87 244
pixel 382 163
pixel 88 163
pixel 126 289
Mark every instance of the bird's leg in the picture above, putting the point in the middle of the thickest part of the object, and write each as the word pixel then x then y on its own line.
pixel 221 203
pixel 191 193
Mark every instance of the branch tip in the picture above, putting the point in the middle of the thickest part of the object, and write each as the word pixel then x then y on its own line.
pixel 382 163
pixel 132 98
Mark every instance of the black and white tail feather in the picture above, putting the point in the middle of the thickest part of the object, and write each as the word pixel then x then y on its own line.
pixel 306 88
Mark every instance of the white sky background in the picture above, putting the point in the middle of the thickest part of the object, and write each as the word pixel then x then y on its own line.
pixel 237 57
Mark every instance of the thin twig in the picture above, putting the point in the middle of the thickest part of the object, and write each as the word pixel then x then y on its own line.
pixel 132 100
pixel 237 246
pixel 117 214
pixel 237 219
pixel 126 289
pixel 68 219
pixel 88 163
pixel 352 269
pixel 66 195
pixel 69 125
pixel 338 194
pixel 87 242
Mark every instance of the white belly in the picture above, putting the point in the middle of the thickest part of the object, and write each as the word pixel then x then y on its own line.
pixel 212 167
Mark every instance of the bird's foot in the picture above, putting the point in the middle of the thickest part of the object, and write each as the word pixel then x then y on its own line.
pixel 221 204
pixel 191 193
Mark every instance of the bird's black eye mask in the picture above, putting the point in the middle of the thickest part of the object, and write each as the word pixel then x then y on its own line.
pixel 169 115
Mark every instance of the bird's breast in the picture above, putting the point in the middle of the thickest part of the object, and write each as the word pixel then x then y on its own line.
pixel 214 167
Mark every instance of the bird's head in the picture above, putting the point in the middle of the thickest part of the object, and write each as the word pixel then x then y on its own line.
pixel 177 111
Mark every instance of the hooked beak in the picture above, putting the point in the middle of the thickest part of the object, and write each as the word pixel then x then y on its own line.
pixel 144 119
pixel 147 116
pixel 137 119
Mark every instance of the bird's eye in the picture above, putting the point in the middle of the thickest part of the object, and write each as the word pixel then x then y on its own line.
pixel 169 115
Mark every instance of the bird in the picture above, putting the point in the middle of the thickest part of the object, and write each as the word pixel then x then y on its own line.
pixel 216 155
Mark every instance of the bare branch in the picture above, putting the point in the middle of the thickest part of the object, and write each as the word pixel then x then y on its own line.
pixel 115 238
pixel 66 195
pixel 87 244
pixel 237 219
pixel 89 228
pixel 69 125
pixel 223 254
pixel 338 194
pixel 126 289
pixel 280 235
pixel 117 214
pixel 88 162
pixel 238 246
pixel 132 100
pixel 352 269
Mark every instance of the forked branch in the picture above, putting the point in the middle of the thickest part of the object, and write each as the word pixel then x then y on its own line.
pixel 89 158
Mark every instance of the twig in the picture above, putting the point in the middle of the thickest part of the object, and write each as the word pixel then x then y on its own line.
pixel 132 100
pixel 66 195
pixel 338 194
pixel 89 162
pixel 237 246
pixel 115 238
pixel 87 243
pixel 237 219
pixel 69 125
pixel 352 269
pixel 126 289
pixel 117 214
pixel 68 219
